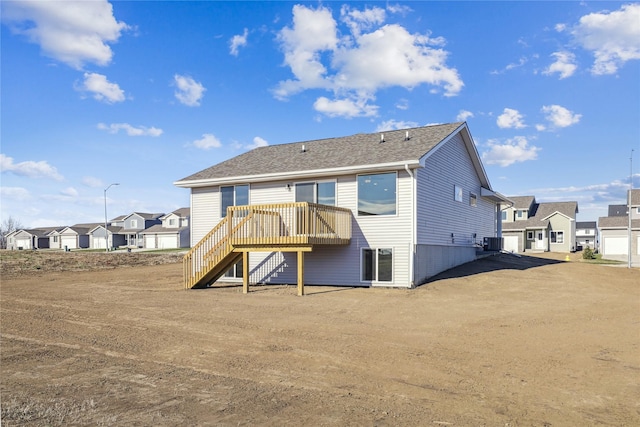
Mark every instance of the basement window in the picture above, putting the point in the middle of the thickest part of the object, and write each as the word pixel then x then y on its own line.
pixel 377 265
pixel 473 200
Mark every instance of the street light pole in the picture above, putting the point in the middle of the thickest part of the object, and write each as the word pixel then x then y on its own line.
pixel 106 230
pixel 629 207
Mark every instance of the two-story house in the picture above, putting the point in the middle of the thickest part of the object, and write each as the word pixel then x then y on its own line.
pixel 586 235
pixel 172 232
pixel 614 230
pixel 135 223
pixel 382 209
pixel 539 227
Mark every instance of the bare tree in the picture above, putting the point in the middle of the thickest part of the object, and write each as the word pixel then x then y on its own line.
pixel 9 225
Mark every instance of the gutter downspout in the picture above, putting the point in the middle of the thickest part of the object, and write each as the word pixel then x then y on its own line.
pixel 413 227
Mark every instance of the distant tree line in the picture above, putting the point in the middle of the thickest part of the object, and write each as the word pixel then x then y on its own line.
pixel 9 225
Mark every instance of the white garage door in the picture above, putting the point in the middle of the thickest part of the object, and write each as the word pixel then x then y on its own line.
pixel 150 241
pixel 23 243
pixel 68 241
pixel 616 246
pixel 99 243
pixel 511 243
pixel 167 242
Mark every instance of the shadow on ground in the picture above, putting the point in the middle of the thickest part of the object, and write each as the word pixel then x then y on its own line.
pixel 501 261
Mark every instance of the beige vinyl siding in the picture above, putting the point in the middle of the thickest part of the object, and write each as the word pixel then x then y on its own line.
pixel 205 211
pixel 564 224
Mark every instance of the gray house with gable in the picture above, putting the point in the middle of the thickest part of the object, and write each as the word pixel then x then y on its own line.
pixel 384 209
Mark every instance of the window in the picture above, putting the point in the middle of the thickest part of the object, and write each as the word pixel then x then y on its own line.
pixel 235 271
pixel 377 194
pixel 55 238
pixel 473 200
pixel 377 265
pixel 234 195
pixel 557 237
pixel 134 223
pixel 172 221
pixel 520 214
pixel 504 215
pixel 530 235
pixel 316 192
pixel 457 193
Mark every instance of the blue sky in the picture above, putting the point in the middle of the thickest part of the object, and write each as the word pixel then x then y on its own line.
pixel 146 93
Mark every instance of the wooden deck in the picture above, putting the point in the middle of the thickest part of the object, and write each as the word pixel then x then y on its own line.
pixel 281 227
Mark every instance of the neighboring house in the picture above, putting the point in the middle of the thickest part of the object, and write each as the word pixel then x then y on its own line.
pixel 172 233
pixel 133 224
pixel 35 238
pixel 73 237
pixel 586 235
pixel 614 230
pixel 115 238
pixel 539 227
pixel 385 209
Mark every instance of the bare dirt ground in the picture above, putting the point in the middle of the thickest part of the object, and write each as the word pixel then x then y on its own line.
pixel 98 339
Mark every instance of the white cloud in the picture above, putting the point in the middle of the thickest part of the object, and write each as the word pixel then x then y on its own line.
pixel 559 116
pixel 613 37
pixel 512 151
pixel 510 119
pixel 345 107
pixel 189 91
pixel 355 66
pixel 15 193
pixel 565 65
pixel 258 142
pixel 92 182
pixel 70 192
pixel 521 62
pixel 360 20
pixel 402 104
pixel 463 115
pixel 130 130
pixel 207 142
pixel 72 32
pixel 102 89
pixel 395 124
pixel 238 41
pixel 29 168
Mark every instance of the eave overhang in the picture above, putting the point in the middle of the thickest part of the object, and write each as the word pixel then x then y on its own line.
pixel 281 176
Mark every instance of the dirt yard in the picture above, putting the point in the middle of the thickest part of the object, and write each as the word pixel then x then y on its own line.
pixel 107 339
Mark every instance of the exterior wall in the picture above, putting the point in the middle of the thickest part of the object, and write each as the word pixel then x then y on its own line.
pixel 205 211
pixel 434 259
pixel 623 234
pixel 447 229
pixel 128 223
pixel 393 231
pixel 566 225
pixel 23 240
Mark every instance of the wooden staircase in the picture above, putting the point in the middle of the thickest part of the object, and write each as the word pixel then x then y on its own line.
pixel 274 227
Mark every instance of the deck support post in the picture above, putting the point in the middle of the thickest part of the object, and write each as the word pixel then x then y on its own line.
pixel 245 272
pixel 300 273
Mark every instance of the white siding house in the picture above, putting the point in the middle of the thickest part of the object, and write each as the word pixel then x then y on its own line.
pixel 420 203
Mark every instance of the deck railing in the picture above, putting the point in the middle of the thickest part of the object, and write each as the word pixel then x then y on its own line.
pixel 263 226
pixel 290 224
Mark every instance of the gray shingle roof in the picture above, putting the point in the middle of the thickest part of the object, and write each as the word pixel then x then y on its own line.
pixel 343 152
pixel 522 202
pixel 539 213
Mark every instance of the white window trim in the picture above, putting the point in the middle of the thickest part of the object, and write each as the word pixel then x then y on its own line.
pixel 375 251
pixel 358 196
pixel 457 193
pixel 223 214
pixel 315 188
